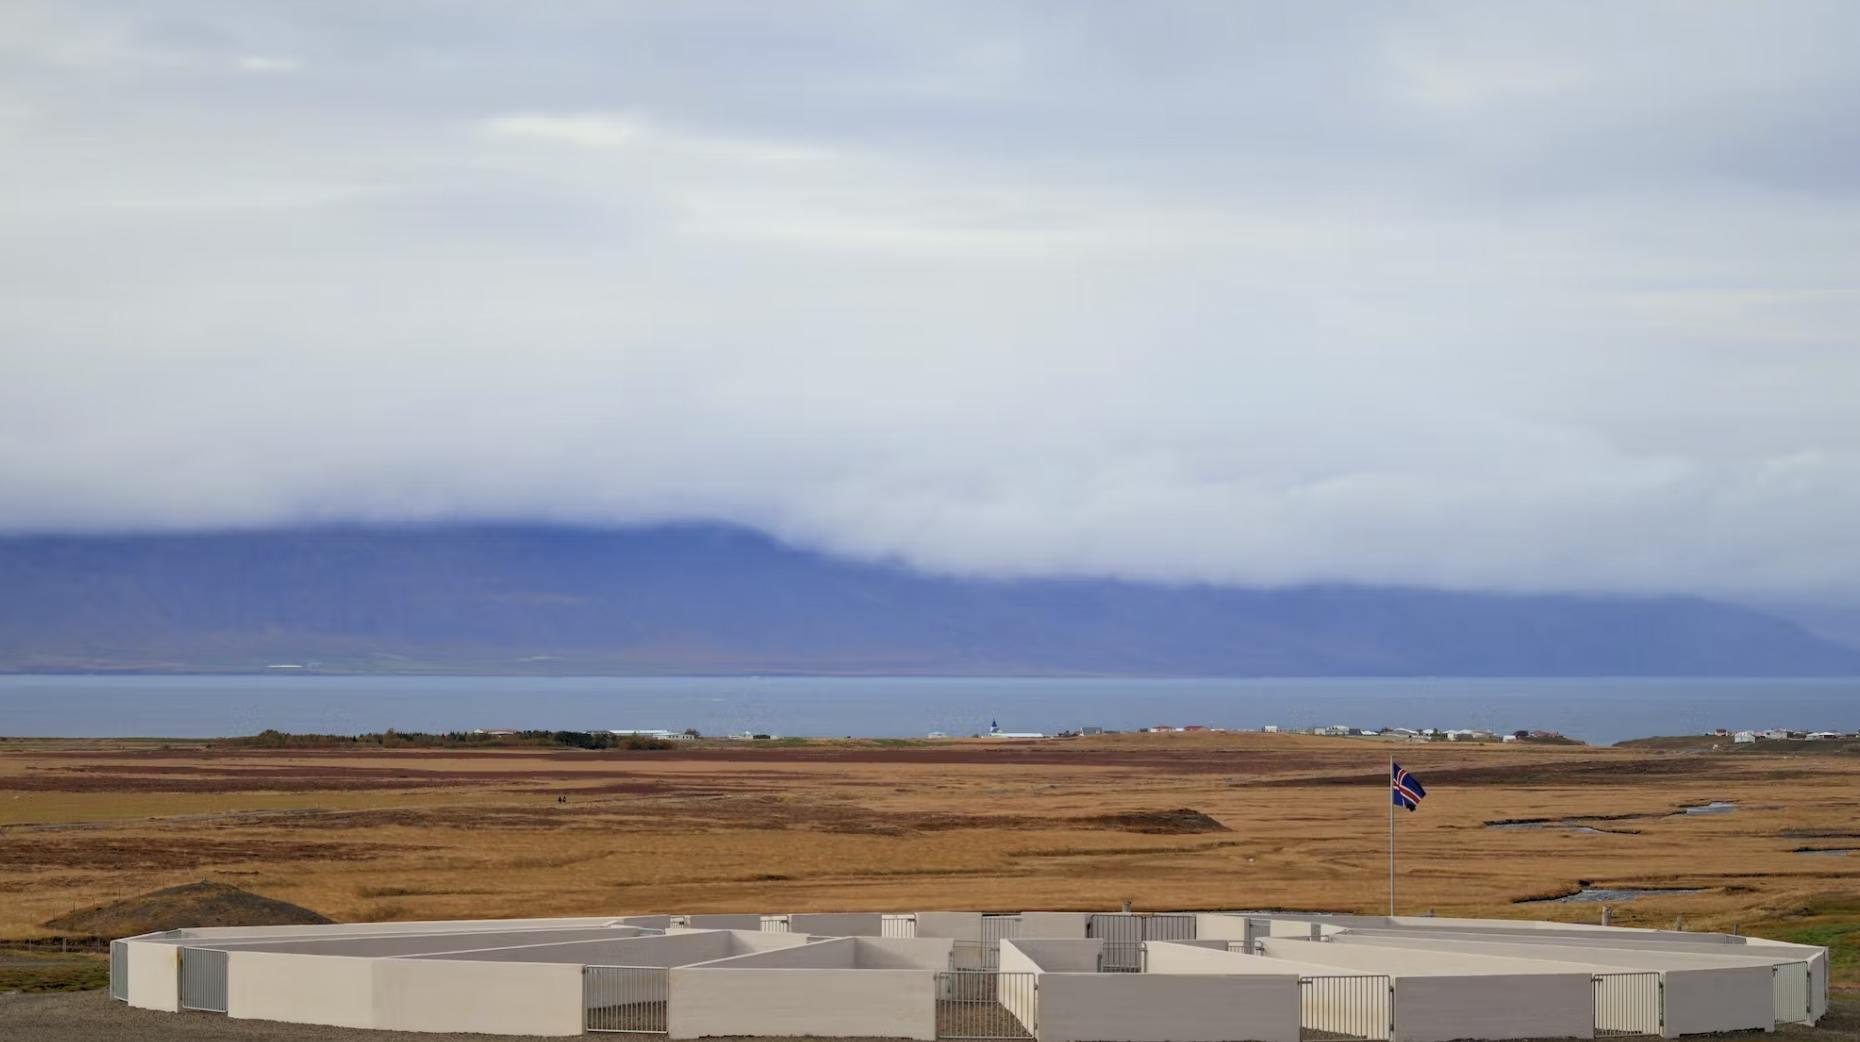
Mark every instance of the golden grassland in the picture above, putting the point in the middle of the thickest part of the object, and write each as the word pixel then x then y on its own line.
pixel 381 835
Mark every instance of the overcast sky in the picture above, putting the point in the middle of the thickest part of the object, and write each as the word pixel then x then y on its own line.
pixel 1558 296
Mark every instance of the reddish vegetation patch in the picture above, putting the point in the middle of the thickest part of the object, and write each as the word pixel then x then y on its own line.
pixel 163 853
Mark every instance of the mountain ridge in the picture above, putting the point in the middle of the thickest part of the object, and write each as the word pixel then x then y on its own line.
pixel 705 598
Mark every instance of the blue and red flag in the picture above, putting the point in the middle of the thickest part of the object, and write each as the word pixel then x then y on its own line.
pixel 1404 788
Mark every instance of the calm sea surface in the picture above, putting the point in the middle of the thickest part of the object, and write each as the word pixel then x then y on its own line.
pixel 1597 710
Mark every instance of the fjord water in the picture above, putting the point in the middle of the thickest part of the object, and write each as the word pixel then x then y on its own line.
pixel 1598 710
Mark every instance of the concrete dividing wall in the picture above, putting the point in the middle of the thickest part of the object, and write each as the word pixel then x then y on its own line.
pixel 367 929
pixel 839 953
pixel 838 924
pixel 154 975
pixel 1051 956
pixel 658 922
pixel 1147 1007
pixel 489 998
pixel 1447 995
pixel 901 953
pixel 421 944
pixel 962 926
pixel 1817 959
pixel 1061 925
pixel 826 1003
pixel 1211 926
pixel 677 949
pixel 725 921
pixel 1704 992
pixel 336 990
pixel 1207 957
pixel 1698 1001
pixel 1494 1006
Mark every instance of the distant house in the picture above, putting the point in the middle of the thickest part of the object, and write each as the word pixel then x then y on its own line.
pixel 1091 730
pixel 1745 737
pixel 670 736
pixel 1272 728
pixel 495 732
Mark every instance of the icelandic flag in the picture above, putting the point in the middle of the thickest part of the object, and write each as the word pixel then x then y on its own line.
pixel 1404 788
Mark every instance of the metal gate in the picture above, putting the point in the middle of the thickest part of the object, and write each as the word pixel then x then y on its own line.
pixel 119 970
pixel 1358 1005
pixel 1789 986
pixel 1629 1004
pixel 1123 935
pixel 994 929
pixel 203 979
pixel 983 1004
pixel 775 924
pixel 623 999
pixel 897 925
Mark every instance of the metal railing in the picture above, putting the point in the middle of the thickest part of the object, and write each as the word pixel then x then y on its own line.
pixel 1123 957
pixel 203 980
pixel 897 925
pixel 624 999
pixel 775 924
pixel 1357 1005
pixel 982 1004
pixel 1790 988
pixel 119 970
pixel 1629 1004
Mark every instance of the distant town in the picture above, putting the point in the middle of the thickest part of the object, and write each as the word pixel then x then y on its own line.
pixel 1399 734
pixel 1425 734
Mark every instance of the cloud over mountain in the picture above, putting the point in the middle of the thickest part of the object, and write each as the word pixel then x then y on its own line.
pixel 1550 297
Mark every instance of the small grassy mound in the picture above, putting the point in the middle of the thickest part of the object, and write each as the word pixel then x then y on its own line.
pixel 177 907
pixel 1182 821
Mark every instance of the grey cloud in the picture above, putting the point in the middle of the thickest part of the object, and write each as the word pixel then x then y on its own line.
pixel 1536 297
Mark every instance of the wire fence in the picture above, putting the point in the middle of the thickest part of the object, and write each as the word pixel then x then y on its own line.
pixel 982 1004
pixel 1357 1005
pixel 629 999
pixel 1629 1004
pixel 203 980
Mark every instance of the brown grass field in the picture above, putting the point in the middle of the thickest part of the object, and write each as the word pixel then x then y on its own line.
pixel 1073 824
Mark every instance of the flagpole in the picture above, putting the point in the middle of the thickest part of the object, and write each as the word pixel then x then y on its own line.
pixel 1391 802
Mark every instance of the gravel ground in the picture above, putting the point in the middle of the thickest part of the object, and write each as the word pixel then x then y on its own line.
pixel 90 1016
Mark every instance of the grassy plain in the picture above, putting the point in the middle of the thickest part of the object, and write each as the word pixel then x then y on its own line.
pixel 371 835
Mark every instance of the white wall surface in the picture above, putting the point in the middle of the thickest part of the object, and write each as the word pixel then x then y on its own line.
pixel 1198 957
pixel 670 950
pixel 709 1001
pixel 423 943
pixel 154 975
pixel 1494 1006
pixel 1147 1007
pixel 491 998
pixel 1050 956
pixel 750 921
pixel 366 929
pixel 1052 925
pixel 1220 926
pixel 336 990
pixel 901 953
pixel 1731 999
pixel 963 926
pixel 838 924
pixel 840 953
